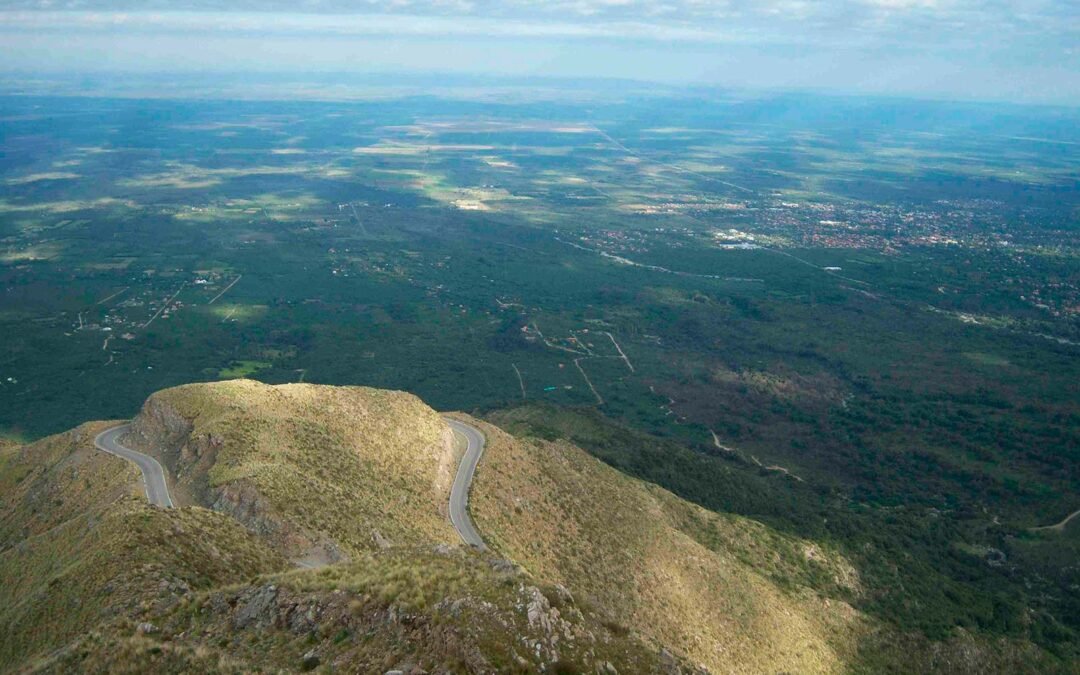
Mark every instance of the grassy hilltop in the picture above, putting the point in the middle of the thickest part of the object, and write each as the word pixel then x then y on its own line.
pixel 325 472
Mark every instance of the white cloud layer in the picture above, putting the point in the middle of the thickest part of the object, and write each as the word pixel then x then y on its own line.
pixel 790 20
pixel 1009 45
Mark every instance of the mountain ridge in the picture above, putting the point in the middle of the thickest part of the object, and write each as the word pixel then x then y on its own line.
pixel 312 533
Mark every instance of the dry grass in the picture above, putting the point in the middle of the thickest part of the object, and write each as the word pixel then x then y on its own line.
pixel 77 550
pixel 700 583
pixel 56 479
pixel 441 610
pixel 110 653
pixel 308 465
pixel 84 558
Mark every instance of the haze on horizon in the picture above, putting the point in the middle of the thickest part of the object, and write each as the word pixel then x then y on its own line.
pixel 1019 50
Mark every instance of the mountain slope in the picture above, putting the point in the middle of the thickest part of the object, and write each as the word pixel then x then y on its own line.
pixel 725 591
pixel 590 570
pixel 410 609
pixel 77 550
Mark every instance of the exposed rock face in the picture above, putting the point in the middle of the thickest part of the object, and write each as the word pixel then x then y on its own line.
pixel 243 502
pixel 548 624
pixel 256 607
pixel 160 430
pixel 303 618
pixel 315 616
pixel 540 612
pixel 162 424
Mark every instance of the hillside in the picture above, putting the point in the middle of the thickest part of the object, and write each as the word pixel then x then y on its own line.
pixel 96 580
pixel 799 601
pixel 322 472
pixel 77 549
pixel 726 591
pixel 409 609
pixel 311 535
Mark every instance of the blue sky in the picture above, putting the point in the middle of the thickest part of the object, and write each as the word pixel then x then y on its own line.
pixel 1018 50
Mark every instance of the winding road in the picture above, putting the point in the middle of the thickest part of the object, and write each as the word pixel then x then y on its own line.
pixel 157 491
pixel 459 493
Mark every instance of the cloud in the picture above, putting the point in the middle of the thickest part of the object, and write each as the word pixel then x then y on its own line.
pixel 358 25
pixel 1013 45
pixel 675 11
pixel 846 22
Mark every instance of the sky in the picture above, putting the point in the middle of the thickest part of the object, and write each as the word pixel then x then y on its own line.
pixel 1011 50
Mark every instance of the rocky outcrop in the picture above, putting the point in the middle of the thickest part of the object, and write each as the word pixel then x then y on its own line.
pixel 257 608
pixel 334 621
pixel 160 425
pixel 161 431
pixel 549 632
pixel 243 502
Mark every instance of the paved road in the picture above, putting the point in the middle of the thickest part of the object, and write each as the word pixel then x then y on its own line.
pixel 459 493
pixel 157 491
